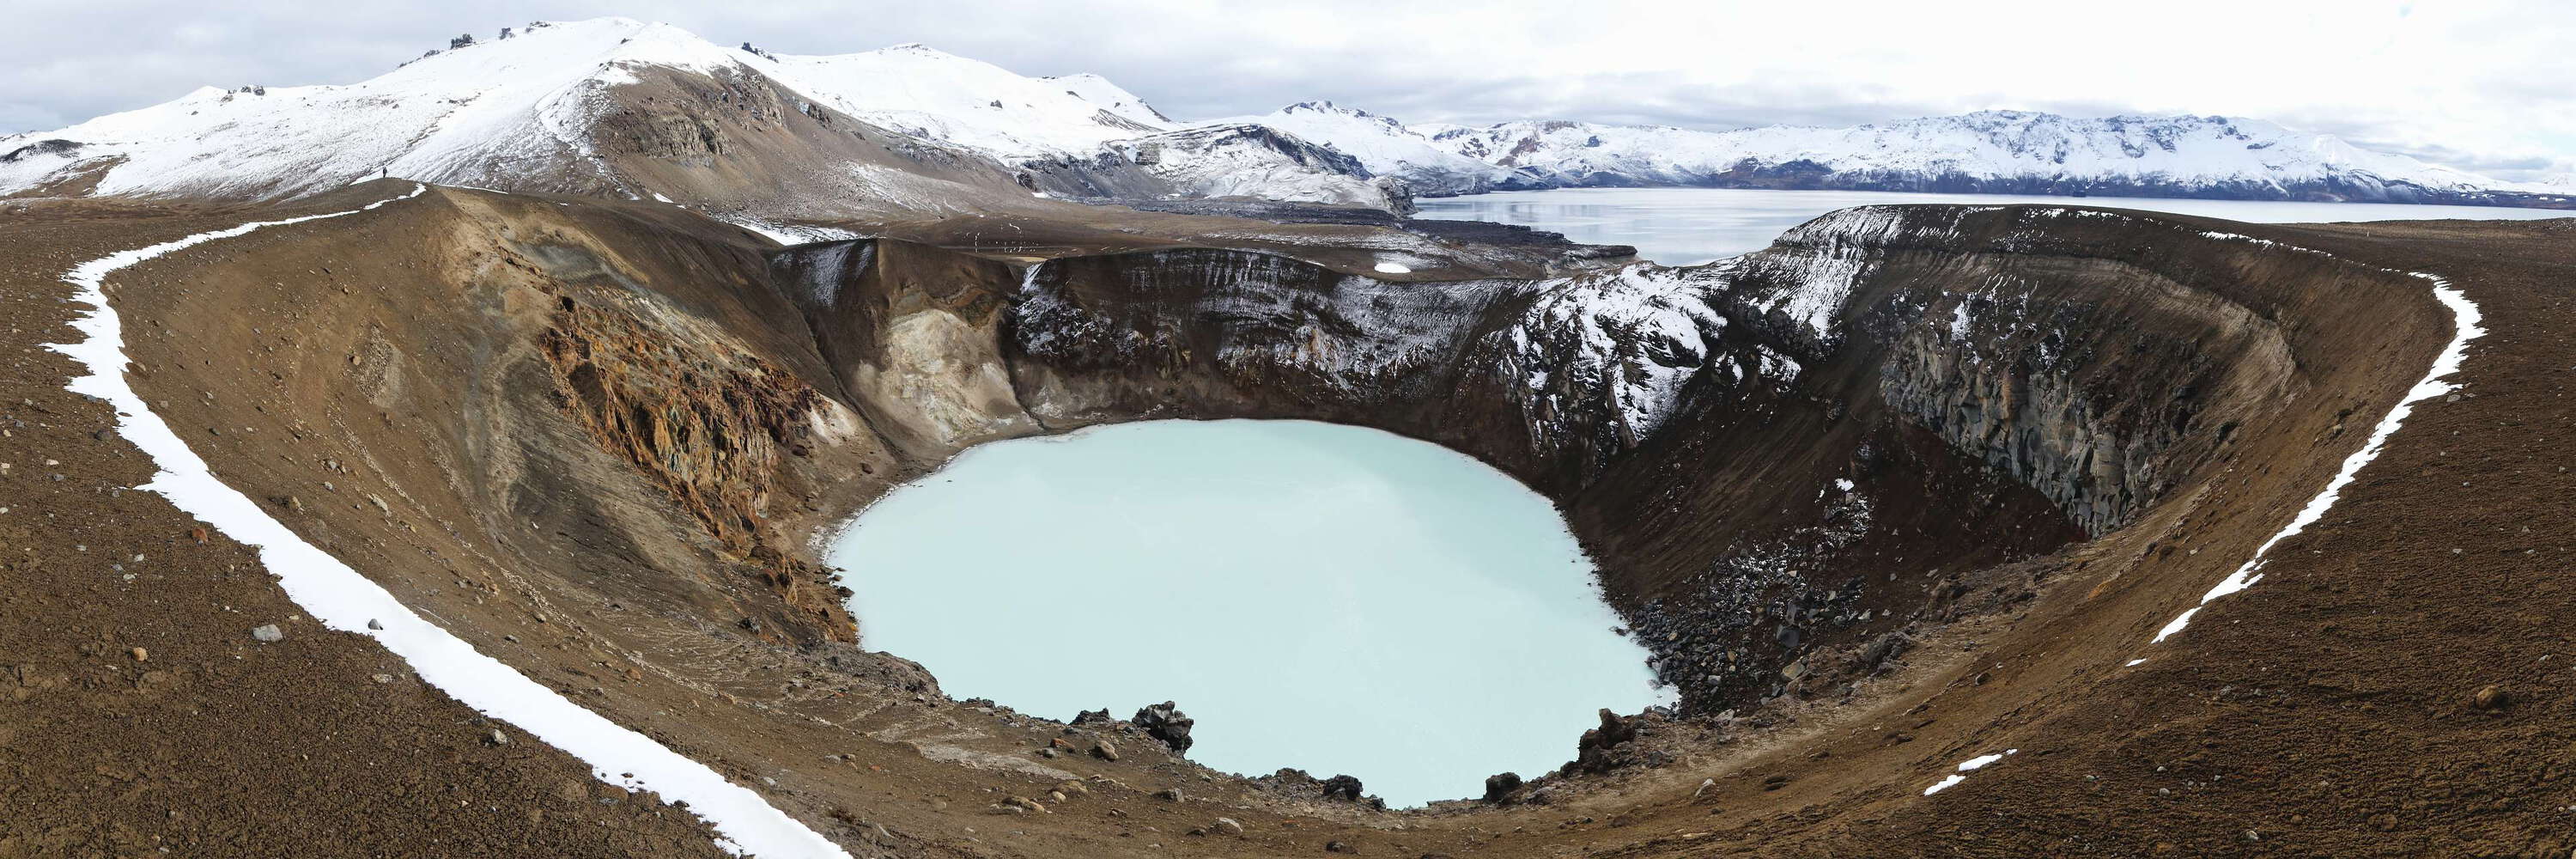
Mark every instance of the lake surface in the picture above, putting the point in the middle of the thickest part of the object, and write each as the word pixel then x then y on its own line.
pixel 1332 598
pixel 1688 226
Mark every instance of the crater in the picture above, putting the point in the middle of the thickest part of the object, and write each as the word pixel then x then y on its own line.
pixel 1925 478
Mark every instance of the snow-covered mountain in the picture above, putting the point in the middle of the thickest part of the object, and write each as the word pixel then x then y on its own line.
pixel 622 107
pixel 619 106
pixel 1218 160
pixel 938 95
pixel 497 113
pixel 1985 152
pixel 2560 184
pixel 1384 146
pixel 1990 151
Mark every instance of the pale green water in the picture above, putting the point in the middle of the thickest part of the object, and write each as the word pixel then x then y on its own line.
pixel 1319 596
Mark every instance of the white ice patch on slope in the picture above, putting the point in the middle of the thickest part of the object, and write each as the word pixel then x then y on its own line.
pixel 787 234
pixel 344 600
pixel 1968 766
pixel 2466 327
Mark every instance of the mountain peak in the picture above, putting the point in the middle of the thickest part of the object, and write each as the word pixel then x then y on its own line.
pixel 918 49
pixel 1325 106
pixel 1326 111
pixel 564 50
pixel 929 93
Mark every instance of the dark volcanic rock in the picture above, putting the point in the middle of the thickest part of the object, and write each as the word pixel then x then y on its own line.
pixel 1884 648
pixel 1342 787
pixel 53 146
pixel 1500 785
pixel 1165 722
pixel 1592 752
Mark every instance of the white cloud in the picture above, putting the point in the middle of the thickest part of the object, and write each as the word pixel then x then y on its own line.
pixel 2483 83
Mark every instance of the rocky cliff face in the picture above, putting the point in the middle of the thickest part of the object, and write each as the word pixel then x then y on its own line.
pixel 1854 392
pixel 2029 356
pixel 1545 378
pixel 713 428
pixel 912 334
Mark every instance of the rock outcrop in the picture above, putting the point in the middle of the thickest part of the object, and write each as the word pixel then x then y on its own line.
pixel 711 428
pixel 1166 724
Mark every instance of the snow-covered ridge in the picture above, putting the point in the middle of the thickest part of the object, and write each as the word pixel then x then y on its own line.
pixel 933 94
pixel 342 599
pixel 1384 145
pixel 1221 160
pixel 490 114
pixel 1988 150
pixel 517 112
pixel 2555 184
pixel 522 111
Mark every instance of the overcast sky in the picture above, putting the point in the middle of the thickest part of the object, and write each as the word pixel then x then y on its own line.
pixel 2486 85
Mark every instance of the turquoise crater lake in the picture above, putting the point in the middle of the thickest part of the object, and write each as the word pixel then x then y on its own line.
pixel 1326 597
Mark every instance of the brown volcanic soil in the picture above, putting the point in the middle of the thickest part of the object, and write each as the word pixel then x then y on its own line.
pixel 2328 710
pixel 138 716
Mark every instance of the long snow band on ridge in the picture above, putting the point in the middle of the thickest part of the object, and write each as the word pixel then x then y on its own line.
pixel 2466 326
pixel 344 600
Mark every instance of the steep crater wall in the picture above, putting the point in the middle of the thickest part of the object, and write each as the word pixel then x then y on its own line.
pixel 1804 447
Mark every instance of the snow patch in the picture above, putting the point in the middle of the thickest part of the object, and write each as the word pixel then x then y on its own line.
pixel 787 234
pixel 1968 766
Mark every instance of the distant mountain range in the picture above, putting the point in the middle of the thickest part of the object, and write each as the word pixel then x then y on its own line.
pixel 620 106
pixel 1989 152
